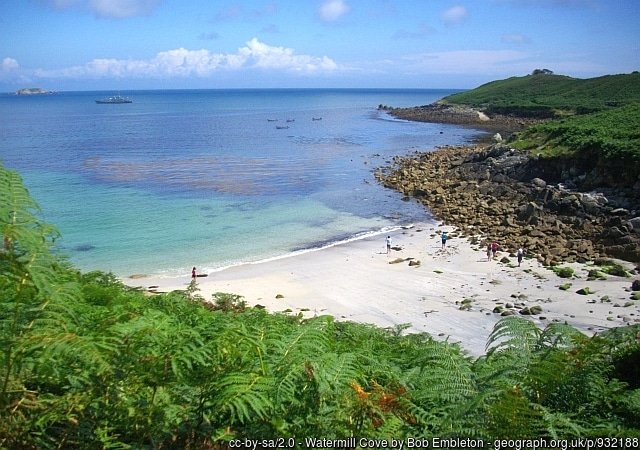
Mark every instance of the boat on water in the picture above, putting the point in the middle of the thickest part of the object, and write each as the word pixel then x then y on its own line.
pixel 116 99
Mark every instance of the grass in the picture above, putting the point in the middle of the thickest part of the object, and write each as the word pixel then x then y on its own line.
pixel 609 135
pixel 548 95
pixel 596 120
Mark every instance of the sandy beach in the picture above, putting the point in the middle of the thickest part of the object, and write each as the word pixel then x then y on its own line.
pixel 451 294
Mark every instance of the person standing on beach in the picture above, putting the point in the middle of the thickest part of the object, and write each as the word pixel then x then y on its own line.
pixel 520 255
pixel 388 244
pixel 193 274
pixel 443 236
pixel 494 249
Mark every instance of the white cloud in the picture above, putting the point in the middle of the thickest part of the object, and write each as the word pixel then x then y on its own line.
pixel 9 65
pixel 455 14
pixel 182 62
pixel 264 56
pixel 332 10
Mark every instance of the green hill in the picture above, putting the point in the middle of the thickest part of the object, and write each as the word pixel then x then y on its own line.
pixel 545 95
pixel 596 120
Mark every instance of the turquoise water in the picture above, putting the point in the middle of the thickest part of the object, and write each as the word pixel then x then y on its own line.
pixel 206 178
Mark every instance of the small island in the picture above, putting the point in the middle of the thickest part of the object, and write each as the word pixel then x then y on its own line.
pixel 32 91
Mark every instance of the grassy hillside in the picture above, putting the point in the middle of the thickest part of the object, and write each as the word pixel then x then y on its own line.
pixel 609 134
pixel 548 95
pixel 596 120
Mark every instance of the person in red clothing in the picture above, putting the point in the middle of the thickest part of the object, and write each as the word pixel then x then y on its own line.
pixel 494 249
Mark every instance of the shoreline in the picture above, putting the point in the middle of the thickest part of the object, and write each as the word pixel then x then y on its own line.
pixel 451 294
pixel 205 271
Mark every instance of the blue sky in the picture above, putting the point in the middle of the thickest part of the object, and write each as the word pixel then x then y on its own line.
pixel 157 44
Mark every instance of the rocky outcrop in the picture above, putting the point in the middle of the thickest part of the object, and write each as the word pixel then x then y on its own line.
pixel 498 193
pixel 460 115
pixel 32 91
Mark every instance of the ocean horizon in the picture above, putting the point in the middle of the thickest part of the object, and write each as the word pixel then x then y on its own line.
pixel 213 178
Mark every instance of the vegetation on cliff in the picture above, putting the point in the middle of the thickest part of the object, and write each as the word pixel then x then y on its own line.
pixel 546 95
pixel 609 134
pixel 587 128
pixel 87 363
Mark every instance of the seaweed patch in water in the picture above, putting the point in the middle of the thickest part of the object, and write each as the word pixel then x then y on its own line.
pixel 84 247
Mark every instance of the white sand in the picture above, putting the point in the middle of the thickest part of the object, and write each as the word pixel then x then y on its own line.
pixel 355 281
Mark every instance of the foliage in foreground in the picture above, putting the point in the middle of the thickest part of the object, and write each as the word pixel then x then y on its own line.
pixel 89 363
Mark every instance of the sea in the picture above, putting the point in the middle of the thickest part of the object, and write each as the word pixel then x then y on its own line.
pixel 213 178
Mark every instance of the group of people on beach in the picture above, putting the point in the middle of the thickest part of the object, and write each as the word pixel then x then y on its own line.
pixel 492 248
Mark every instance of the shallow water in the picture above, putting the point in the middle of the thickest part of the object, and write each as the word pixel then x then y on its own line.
pixel 205 178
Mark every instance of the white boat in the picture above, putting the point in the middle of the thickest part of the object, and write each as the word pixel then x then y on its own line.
pixel 116 99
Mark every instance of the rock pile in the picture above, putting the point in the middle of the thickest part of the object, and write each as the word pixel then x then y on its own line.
pixel 460 115
pixel 492 193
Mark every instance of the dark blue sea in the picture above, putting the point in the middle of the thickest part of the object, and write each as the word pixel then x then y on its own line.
pixel 212 178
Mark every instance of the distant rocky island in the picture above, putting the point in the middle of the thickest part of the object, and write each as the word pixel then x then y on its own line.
pixel 33 91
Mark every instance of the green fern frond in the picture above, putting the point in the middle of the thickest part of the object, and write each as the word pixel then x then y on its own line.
pixel 558 425
pixel 391 428
pixel 15 202
pixel 20 229
pixel 514 334
pixel 560 335
pixel 244 396
pixel 334 372
pixel 306 341
pixel 445 374
pixel 189 351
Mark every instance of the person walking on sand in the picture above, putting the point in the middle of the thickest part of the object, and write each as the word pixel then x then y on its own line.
pixel 489 251
pixel 388 244
pixel 494 249
pixel 520 255
pixel 444 238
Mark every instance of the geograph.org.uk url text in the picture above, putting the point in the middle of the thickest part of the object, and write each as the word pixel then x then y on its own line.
pixel 566 444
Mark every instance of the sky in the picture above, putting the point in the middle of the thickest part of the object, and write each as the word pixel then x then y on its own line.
pixel 183 44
